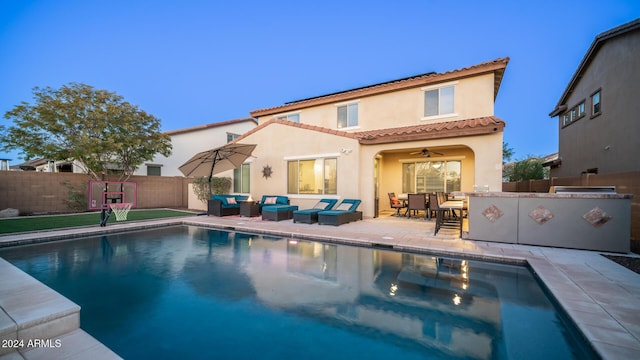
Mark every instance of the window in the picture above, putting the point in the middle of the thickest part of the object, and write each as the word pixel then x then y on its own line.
pixel 566 119
pixel 231 137
pixel 581 109
pixel 438 101
pixel 290 117
pixel 347 115
pixel 595 103
pixel 573 114
pixel 313 176
pixel 431 176
pixel 154 170
pixel 241 176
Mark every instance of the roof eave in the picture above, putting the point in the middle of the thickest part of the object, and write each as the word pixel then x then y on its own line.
pixel 561 106
pixel 439 134
pixel 208 126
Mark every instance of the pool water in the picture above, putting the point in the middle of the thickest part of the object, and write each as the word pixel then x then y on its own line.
pixel 188 292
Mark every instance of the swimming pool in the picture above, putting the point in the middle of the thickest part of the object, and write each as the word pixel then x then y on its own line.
pixel 188 292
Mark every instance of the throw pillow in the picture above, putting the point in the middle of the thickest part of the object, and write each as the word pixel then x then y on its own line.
pixel 395 200
pixel 231 201
pixel 270 200
pixel 344 207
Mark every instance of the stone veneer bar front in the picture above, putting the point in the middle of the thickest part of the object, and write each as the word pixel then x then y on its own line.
pixel 588 221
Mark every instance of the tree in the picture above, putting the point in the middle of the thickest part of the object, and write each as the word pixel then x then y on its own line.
pixel 507 152
pixel 528 169
pixel 203 189
pixel 95 127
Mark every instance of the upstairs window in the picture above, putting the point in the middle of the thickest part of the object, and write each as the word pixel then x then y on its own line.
pixel 154 170
pixel 347 115
pixel 290 117
pixel 231 137
pixel 573 114
pixel 595 104
pixel 438 101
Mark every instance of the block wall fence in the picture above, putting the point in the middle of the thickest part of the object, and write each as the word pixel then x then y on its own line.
pixel 43 193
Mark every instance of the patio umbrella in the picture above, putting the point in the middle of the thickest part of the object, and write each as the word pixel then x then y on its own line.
pixel 214 161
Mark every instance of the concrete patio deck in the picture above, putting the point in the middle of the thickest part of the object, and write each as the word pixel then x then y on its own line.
pixel 602 297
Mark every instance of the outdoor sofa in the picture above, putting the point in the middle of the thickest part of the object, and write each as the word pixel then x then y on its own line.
pixel 344 213
pixel 276 208
pixel 271 200
pixel 310 216
pixel 225 205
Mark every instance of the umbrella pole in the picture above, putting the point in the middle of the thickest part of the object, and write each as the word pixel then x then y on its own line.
pixel 211 173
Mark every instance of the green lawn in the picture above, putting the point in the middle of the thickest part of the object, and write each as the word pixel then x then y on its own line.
pixel 35 223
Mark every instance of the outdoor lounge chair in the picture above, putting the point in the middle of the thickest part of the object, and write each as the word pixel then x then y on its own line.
pixel 310 216
pixel 343 213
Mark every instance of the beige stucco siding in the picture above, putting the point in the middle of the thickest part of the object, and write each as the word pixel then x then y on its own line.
pixel 187 144
pixel 279 143
pixel 473 98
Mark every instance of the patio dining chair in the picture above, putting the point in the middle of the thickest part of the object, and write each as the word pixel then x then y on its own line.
pixel 434 206
pixel 441 220
pixel 417 203
pixel 396 203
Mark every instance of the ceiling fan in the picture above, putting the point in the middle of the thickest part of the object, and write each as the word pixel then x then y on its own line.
pixel 426 153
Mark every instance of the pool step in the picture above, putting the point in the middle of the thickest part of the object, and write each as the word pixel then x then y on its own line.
pixel 33 316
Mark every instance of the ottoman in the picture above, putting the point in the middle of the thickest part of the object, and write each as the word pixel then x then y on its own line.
pixel 278 212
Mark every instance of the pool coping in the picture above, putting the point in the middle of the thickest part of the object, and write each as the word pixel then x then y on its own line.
pixel 595 292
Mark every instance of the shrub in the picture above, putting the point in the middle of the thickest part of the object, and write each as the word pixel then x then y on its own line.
pixel 219 185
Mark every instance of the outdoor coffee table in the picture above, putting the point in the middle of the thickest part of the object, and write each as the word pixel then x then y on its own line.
pixel 249 208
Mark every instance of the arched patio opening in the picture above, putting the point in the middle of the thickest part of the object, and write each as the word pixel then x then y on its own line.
pixel 425 169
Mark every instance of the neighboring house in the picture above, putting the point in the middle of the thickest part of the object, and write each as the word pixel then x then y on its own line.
pixel 426 133
pixel 185 142
pixel 44 165
pixel 190 141
pixel 4 164
pixel 598 111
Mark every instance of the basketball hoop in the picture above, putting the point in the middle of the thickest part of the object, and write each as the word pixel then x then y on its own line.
pixel 121 210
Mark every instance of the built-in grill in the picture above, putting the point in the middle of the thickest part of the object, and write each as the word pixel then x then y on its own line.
pixel 582 190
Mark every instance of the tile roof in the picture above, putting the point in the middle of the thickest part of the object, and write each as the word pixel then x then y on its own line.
pixel 441 130
pixel 496 66
pixel 207 126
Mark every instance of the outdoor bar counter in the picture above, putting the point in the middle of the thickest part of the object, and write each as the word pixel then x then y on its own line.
pixel 590 221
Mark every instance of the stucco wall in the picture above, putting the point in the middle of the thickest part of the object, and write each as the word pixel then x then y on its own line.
pixel 608 142
pixel 277 143
pixel 473 98
pixel 187 144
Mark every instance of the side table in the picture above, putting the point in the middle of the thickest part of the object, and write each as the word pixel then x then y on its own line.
pixel 249 208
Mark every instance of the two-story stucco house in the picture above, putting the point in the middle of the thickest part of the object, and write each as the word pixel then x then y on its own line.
pixel 598 111
pixel 426 133
pixel 187 142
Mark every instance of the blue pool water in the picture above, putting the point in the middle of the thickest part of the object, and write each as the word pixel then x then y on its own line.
pixel 188 293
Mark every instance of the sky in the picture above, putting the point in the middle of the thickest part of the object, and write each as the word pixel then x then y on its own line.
pixel 195 62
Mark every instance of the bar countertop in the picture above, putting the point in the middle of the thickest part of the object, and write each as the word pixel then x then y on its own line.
pixel 585 195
